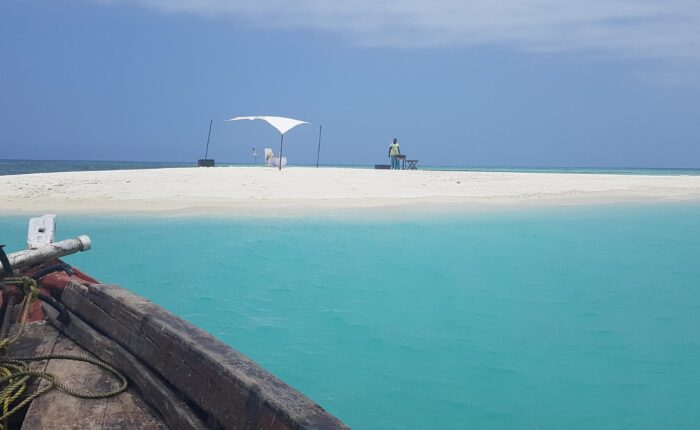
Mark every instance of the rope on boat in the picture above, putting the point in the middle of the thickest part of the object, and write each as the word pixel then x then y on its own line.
pixel 15 372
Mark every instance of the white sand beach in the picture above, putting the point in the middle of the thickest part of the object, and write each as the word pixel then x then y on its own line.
pixel 267 191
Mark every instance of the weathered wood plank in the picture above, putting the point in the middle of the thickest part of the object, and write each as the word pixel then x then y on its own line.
pixel 176 413
pixel 227 385
pixel 42 231
pixel 56 410
pixel 38 338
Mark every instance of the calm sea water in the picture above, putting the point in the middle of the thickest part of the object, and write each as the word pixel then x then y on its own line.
pixel 17 167
pixel 583 318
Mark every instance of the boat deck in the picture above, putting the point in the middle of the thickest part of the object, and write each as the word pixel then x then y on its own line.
pixel 57 410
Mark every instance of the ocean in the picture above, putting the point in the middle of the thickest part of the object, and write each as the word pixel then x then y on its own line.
pixel 18 167
pixel 557 318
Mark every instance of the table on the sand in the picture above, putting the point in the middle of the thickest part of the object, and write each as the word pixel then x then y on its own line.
pixel 412 164
pixel 402 160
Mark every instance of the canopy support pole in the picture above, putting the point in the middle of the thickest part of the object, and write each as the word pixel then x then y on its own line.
pixel 281 144
pixel 209 136
pixel 318 153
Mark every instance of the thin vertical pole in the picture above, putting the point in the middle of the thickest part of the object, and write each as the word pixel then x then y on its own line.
pixel 208 137
pixel 281 144
pixel 318 153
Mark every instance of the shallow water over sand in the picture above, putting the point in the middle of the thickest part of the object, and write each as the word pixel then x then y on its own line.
pixel 560 318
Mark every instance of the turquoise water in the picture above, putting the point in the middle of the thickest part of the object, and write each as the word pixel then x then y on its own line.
pixel 17 167
pixel 583 318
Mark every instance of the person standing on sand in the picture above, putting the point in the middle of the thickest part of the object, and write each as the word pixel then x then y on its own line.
pixel 394 152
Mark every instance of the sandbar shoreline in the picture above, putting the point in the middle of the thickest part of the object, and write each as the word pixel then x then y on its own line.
pixel 302 191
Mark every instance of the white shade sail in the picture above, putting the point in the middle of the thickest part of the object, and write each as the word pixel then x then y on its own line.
pixel 281 123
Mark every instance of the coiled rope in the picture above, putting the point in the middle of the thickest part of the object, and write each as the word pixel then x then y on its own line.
pixel 15 372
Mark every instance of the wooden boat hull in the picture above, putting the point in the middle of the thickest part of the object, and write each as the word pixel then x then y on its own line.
pixel 169 359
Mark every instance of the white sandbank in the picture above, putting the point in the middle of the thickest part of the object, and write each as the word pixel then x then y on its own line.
pixel 267 191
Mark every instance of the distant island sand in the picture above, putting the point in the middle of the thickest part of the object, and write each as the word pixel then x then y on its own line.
pixel 297 190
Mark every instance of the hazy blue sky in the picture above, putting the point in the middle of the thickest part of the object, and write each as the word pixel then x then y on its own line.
pixel 501 83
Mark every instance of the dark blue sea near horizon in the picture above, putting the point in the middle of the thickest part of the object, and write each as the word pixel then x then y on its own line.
pixel 19 167
pixel 560 318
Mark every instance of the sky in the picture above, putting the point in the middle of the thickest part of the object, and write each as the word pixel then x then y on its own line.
pixel 532 83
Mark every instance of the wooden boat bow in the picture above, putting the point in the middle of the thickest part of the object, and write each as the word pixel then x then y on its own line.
pixel 181 377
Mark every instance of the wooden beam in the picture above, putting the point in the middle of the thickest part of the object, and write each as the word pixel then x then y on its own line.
pixel 33 257
pixel 231 388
